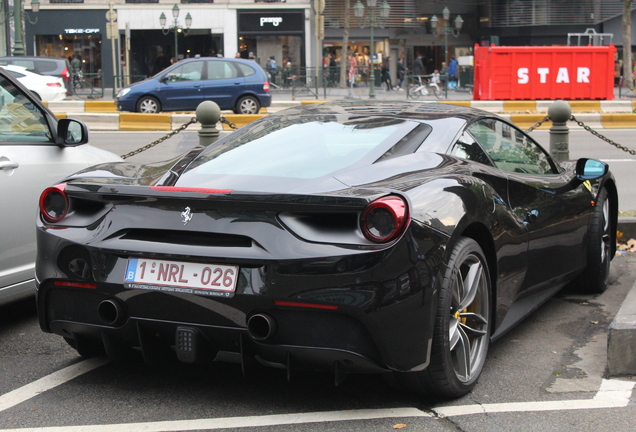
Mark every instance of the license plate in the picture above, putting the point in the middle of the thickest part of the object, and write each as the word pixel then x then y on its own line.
pixel 182 277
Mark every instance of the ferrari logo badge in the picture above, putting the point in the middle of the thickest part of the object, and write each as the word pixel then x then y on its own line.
pixel 186 215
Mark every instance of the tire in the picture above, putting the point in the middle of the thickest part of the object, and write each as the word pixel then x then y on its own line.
pixel 437 92
pixel 594 278
pixel 247 105
pixel 148 105
pixel 36 95
pixel 462 327
pixel 414 91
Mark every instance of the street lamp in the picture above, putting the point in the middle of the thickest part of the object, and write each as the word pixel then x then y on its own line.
pixel 18 45
pixel 372 21
pixel 447 29
pixel 175 27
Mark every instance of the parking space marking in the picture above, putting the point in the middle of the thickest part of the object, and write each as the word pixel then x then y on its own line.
pixel 48 382
pixel 613 393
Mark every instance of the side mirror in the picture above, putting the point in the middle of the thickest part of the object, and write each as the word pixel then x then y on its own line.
pixel 590 169
pixel 71 133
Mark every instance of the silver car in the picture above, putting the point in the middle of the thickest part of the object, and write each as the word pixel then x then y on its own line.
pixel 36 150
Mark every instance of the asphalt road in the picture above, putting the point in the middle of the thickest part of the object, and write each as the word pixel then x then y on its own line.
pixel 546 374
pixel 582 144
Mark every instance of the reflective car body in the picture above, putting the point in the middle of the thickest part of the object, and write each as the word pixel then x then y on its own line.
pixel 36 149
pixel 234 84
pixel 46 88
pixel 53 66
pixel 387 237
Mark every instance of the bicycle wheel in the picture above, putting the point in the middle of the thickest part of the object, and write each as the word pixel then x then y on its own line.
pixel 415 91
pixel 437 92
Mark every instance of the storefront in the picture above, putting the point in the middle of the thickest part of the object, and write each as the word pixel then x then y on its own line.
pixel 267 33
pixel 57 33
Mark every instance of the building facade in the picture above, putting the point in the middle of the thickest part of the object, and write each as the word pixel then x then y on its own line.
pixel 289 30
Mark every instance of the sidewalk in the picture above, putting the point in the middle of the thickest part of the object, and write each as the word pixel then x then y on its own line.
pixel 102 114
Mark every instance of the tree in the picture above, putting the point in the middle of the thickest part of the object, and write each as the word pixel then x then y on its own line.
pixel 344 55
pixel 627 44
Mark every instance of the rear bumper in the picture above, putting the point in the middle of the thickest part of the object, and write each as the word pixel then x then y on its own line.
pixel 301 338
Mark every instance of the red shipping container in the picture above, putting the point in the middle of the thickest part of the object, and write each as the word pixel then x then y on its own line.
pixel 544 72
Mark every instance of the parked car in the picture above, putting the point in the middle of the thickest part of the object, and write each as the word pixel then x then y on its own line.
pixel 390 237
pixel 36 149
pixel 46 88
pixel 53 66
pixel 234 84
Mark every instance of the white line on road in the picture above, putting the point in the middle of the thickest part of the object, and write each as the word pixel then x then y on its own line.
pixel 48 382
pixel 612 394
pixel 618 160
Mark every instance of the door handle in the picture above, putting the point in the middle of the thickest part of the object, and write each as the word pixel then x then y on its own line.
pixel 8 164
pixel 532 216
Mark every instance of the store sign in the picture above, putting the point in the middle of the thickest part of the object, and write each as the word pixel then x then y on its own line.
pixel 275 21
pixel 268 22
pixel 81 31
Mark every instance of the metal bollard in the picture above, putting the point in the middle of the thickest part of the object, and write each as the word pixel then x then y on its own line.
pixel 208 114
pixel 560 112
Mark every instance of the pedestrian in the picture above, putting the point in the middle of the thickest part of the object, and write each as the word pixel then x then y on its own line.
pixel 332 69
pixel 444 74
pixel 418 68
pixel 384 72
pixel 272 68
pixel 237 55
pixel 353 69
pixel 452 73
pixel 401 72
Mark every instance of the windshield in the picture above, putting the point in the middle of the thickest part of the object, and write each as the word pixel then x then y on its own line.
pixel 310 147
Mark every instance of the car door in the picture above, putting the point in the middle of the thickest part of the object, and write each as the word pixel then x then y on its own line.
pixel 30 162
pixel 556 218
pixel 224 84
pixel 511 240
pixel 181 88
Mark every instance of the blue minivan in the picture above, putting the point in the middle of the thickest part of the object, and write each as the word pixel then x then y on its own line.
pixel 234 84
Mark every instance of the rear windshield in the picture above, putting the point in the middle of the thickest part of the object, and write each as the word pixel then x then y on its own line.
pixel 310 147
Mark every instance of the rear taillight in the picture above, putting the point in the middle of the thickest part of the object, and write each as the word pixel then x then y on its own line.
pixel 266 86
pixel 385 219
pixel 65 74
pixel 54 84
pixel 54 203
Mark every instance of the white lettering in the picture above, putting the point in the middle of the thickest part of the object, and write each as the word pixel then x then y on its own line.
pixel 81 31
pixel 272 20
pixel 543 72
pixel 563 76
pixel 583 75
pixel 522 75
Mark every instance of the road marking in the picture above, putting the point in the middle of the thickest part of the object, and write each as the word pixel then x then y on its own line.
pixel 48 382
pixel 612 394
pixel 618 160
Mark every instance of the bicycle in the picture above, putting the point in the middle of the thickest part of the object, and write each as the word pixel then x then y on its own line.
pixel 421 87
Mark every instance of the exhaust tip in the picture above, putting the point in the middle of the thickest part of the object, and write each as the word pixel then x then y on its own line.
pixel 111 313
pixel 261 327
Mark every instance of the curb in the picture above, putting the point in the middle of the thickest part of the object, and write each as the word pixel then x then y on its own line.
pixel 617 114
pixel 621 340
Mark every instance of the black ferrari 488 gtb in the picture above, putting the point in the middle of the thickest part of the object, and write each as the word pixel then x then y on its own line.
pixel 389 237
